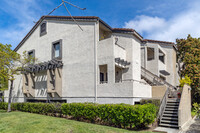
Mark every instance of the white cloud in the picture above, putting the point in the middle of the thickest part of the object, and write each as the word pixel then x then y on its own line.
pixel 178 26
pixel 145 23
pixel 23 12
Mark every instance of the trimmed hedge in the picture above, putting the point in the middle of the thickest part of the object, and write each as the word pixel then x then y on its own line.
pixel 152 101
pixel 118 115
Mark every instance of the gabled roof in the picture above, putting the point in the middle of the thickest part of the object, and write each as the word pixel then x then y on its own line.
pixel 87 18
pixel 82 18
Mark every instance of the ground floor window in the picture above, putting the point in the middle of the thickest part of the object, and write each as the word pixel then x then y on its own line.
pixel 118 74
pixel 103 74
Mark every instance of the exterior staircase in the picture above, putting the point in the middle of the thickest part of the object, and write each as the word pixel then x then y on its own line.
pixel 153 79
pixel 168 112
pixel 169 117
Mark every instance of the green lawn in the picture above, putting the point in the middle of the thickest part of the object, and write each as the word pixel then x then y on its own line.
pixel 20 122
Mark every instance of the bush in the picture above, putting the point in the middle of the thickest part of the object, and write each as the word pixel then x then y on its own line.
pixel 3 105
pixel 197 109
pixel 118 115
pixel 39 108
pixel 185 80
pixel 152 101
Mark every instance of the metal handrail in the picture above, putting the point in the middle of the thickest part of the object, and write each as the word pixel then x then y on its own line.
pixel 158 79
pixel 163 103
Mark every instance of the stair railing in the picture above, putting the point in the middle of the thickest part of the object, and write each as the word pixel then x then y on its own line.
pixel 147 74
pixel 163 104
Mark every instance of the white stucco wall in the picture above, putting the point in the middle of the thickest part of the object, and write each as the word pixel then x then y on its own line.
pixel 78 56
pixel 170 61
pixel 173 78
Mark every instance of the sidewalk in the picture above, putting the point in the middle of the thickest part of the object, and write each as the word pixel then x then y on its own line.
pixel 192 126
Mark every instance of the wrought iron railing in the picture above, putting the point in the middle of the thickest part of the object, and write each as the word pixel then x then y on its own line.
pixel 154 78
pixel 163 103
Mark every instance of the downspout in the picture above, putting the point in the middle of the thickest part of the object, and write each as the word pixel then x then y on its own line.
pixel 95 63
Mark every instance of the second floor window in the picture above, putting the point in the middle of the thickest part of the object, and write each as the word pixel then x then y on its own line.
pixel 43 29
pixel 31 54
pixel 150 54
pixel 57 50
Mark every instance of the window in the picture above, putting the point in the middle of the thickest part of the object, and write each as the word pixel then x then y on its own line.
pixel 150 54
pixel 43 28
pixel 103 74
pixel 57 49
pixel 118 74
pixel 161 56
pixel 31 54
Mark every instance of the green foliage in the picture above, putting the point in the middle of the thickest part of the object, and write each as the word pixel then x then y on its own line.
pixel 197 109
pixel 152 101
pixel 188 54
pixel 3 84
pixel 11 64
pixel 185 80
pixel 118 115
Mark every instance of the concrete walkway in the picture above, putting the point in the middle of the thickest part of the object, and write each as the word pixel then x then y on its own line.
pixel 192 126
pixel 166 130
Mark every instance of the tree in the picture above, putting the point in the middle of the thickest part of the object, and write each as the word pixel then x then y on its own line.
pixel 188 55
pixel 12 64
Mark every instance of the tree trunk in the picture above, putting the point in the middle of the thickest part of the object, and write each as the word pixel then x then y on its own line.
pixel 10 96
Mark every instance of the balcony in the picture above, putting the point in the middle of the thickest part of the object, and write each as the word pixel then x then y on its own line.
pixel 110 48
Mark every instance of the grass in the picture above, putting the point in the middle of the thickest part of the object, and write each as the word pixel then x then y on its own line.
pixel 21 122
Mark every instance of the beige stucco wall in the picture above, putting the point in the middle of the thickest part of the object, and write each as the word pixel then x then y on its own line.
pixel 158 91
pixel 184 110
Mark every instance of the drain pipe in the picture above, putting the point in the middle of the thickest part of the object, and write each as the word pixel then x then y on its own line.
pixel 95 63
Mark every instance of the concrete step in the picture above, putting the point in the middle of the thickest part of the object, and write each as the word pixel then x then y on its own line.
pixel 169 118
pixel 168 125
pixel 169 121
pixel 171 115
pixel 172 103
pixel 170 112
pixel 173 100
pixel 171 109
pixel 171 106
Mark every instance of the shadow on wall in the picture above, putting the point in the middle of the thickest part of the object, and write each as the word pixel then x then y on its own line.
pixel 41 84
pixel 18 93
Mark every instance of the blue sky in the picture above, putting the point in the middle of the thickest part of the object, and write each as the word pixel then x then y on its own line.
pixel 154 19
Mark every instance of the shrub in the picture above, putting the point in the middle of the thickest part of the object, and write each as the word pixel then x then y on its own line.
pixel 152 101
pixel 3 105
pixel 119 115
pixel 185 80
pixel 197 109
